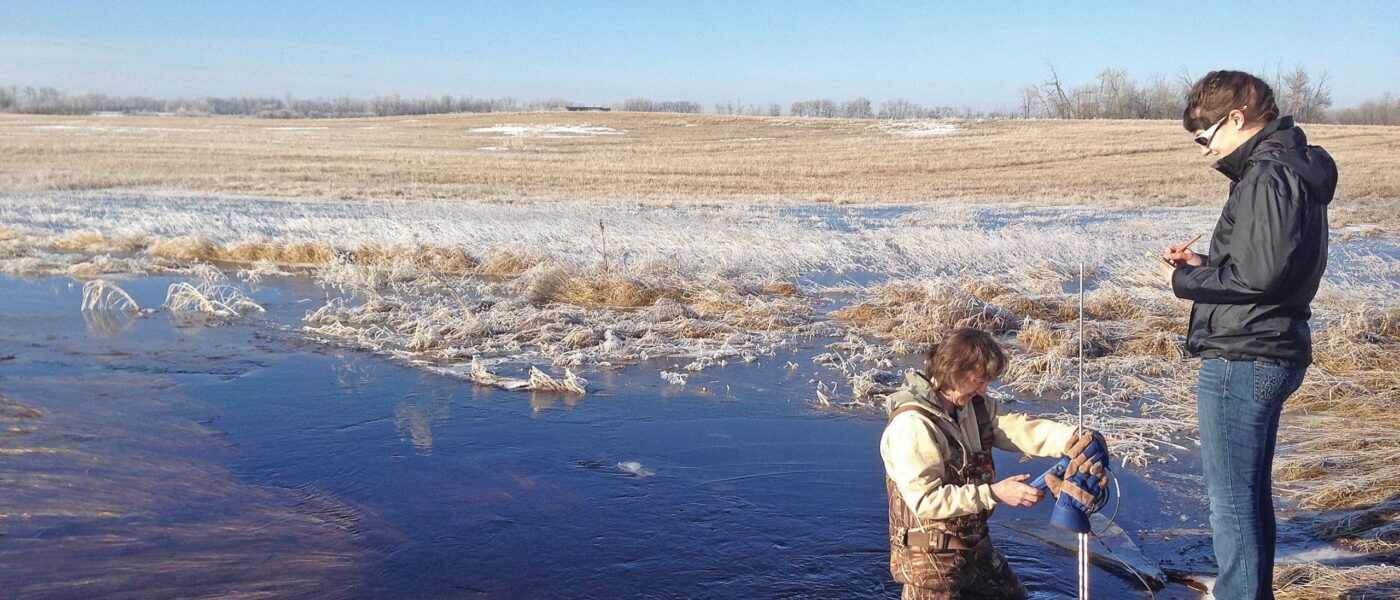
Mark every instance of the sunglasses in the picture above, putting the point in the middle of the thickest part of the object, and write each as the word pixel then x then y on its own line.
pixel 1209 135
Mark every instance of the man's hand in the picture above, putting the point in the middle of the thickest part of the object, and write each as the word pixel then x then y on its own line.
pixel 1014 491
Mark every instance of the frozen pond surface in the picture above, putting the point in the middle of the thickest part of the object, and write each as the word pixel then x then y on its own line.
pixel 445 489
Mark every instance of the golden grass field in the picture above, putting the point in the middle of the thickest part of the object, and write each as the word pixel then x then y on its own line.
pixel 665 157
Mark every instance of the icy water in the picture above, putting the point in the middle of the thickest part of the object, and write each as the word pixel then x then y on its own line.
pixel 240 457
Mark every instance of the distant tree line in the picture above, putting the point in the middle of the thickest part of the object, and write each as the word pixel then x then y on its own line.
pixel 1112 95
pixel 735 107
pixel 1383 111
pixel 47 100
pixel 669 106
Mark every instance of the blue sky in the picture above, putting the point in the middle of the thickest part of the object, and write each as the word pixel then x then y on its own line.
pixel 974 54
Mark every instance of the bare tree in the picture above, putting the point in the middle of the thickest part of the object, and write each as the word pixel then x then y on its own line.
pixel 1302 96
pixel 900 108
pixel 857 109
pixel 814 108
pixel 1031 102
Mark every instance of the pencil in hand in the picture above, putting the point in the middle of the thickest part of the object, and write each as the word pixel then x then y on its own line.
pixel 1183 247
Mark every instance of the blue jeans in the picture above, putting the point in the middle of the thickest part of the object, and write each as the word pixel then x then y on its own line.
pixel 1239 404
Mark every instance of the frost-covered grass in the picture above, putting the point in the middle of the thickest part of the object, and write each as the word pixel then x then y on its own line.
pixel 455 286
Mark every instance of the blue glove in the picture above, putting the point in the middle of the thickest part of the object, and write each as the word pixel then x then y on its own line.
pixel 1077 497
pixel 1085 449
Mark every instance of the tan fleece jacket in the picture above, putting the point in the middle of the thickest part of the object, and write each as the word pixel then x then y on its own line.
pixel 914 449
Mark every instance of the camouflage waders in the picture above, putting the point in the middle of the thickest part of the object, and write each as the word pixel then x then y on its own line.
pixel 950 558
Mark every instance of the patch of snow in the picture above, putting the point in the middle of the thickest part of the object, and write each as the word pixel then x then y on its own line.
pixel 928 129
pixel 549 130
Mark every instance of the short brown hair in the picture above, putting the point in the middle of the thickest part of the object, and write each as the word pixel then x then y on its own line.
pixel 1220 92
pixel 966 351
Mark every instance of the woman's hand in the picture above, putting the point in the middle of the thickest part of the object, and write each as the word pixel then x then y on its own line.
pixel 1174 258
pixel 1013 491
pixel 1181 258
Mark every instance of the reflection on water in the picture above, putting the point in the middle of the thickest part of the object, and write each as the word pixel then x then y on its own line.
pixel 360 477
pixel 415 416
pixel 542 401
pixel 108 323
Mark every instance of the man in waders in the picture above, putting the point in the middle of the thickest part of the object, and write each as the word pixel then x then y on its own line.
pixel 1249 321
pixel 939 471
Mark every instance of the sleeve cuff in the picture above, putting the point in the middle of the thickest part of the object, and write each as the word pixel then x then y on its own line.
pixel 1176 279
pixel 984 495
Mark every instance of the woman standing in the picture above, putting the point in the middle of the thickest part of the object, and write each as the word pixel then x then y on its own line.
pixel 1252 296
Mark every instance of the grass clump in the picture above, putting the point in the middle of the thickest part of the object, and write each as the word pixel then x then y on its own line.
pixel 100 295
pixel 608 289
pixel 186 249
pixel 1315 581
pixel 922 312
pixel 210 299
pixel 508 263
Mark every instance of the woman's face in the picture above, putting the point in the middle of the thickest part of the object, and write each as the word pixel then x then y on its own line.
pixel 1228 136
pixel 966 388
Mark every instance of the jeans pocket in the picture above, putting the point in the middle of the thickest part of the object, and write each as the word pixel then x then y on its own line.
pixel 1272 383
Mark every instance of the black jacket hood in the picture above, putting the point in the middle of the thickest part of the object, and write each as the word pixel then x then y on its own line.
pixel 1281 141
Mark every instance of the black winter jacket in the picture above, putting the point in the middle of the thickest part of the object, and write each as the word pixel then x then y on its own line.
pixel 1253 294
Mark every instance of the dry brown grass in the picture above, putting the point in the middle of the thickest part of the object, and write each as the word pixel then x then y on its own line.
pixel 184 248
pixel 780 288
pixel 302 253
pixel 661 156
pixel 1112 304
pixel 1039 338
pixel 1340 453
pixel 79 240
pixel 921 313
pixel 507 263
pixel 1314 581
pixel 1054 308
pixel 1149 342
pixel 986 290
pixel 195 249
pixel 609 289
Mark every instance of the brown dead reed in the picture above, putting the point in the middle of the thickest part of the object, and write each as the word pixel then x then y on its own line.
pixel 922 312
pixel 599 288
pixel 1314 581
pixel 507 263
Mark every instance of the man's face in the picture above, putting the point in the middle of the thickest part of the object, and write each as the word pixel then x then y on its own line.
pixel 968 388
